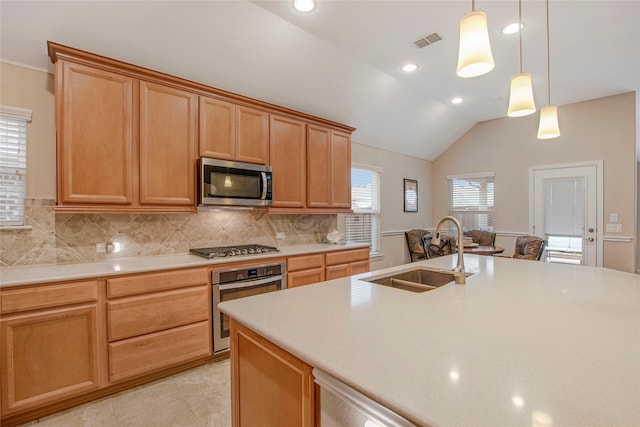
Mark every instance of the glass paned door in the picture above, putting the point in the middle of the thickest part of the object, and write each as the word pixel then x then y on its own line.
pixel 565 205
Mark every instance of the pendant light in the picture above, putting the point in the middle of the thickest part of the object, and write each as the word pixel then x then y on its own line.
pixel 548 127
pixel 474 53
pixel 521 102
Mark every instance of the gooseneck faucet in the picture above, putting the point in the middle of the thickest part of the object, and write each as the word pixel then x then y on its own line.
pixel 458 271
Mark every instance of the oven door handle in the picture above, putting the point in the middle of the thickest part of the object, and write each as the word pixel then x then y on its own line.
pixel 249 283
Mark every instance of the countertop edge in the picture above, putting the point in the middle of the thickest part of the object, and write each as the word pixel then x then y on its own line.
pixel 48 273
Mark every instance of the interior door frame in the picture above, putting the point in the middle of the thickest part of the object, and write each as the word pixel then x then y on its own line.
pixel 599 199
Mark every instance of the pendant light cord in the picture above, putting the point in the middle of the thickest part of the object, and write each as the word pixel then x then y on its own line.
pixel 520 30
pixel 548 66
pixel 473 5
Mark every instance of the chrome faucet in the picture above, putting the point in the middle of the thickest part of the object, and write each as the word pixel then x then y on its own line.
pixel 458 271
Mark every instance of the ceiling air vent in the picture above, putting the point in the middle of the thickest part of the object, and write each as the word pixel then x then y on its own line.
pixel 427 40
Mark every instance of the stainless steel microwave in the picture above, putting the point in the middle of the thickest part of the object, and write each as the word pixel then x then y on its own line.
pixel 227 183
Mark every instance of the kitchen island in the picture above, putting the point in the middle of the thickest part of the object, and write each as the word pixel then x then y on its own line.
pixel 522 343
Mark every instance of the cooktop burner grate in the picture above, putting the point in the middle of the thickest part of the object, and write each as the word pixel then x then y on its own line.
pixel 225 251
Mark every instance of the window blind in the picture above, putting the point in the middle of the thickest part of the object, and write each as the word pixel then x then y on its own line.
pixel 471 201
pixel 363 225
pixel 13 164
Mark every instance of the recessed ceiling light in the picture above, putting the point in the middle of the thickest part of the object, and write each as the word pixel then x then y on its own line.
pixel 304 5
pixel 457 100
pixel 408 68
pixel 512 28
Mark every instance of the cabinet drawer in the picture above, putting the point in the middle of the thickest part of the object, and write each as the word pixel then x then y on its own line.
pixel 140 355
pixel 344 257
pixel 305 277
pixel 305 262
pixel 337 271
pixel 143 314
pixel 359 267
pixel 131 285
pixel 30 298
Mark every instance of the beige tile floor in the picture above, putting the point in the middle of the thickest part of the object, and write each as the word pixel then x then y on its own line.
pixel 199 397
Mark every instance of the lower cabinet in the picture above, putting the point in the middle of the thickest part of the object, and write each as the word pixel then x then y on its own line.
pixel 270 387
pixel 139 355
pixel 305 269
pixel 346 263
pixel 62 341
pixel 157 321
pixel 53 352
pixel 313 268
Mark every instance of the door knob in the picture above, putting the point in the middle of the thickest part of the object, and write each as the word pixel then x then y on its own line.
pixel 590 239
pixel 591 230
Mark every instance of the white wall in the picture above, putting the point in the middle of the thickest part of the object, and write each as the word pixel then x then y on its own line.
pixel 394 221
pixel 599 129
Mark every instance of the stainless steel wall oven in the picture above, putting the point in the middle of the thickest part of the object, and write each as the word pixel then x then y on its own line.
pixel 241 282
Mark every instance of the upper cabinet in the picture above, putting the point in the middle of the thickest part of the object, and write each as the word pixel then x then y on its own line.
pixel 287 158
pixel 123 144
pixel 311 167
pixel 328 168
pixel 95 135
pixel 252 135
pixel 167 145
pixel 128 138
pixel 233 132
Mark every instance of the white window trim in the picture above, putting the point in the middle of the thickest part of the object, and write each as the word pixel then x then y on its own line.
pixel 471 176
pixel 19 114
pixel 342 217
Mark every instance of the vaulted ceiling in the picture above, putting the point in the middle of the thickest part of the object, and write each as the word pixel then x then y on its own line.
pixel 342 61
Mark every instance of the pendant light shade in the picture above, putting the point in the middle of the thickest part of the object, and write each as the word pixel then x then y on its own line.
pixel 548 127
pixel 474 53
pixel 521 101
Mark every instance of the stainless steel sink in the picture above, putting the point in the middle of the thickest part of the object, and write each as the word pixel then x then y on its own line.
pixel 416 280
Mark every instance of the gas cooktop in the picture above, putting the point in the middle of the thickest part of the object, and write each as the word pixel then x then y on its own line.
pixel 225 251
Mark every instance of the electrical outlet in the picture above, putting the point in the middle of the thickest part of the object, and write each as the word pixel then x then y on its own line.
pixel 101 248
pixel 280 235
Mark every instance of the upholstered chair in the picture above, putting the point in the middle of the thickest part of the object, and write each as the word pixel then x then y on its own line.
pixel 433 251
pixel 482 238
pixel 529 247
pixel 414 243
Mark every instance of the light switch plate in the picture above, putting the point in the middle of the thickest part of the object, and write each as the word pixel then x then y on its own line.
pixel 613 217
pixel 613 228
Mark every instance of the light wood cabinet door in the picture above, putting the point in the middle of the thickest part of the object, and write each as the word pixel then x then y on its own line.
pixel 337 271
pixel 94 135
pixel 287 154
pixel 340 170
pixel 217 137
pixel 318 167
pixel 48 356
pixel 328 168
pixel 167 145
pixel 252 135
pixel 359 267
pixel 305 277
pixel 269 386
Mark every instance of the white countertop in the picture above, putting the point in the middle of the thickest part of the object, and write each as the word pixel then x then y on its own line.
pixel 521 344
pixel 16 276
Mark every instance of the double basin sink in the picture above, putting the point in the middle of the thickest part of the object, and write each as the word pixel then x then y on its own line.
pixel 416 280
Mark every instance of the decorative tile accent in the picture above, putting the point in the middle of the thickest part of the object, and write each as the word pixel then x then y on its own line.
pixel 64 238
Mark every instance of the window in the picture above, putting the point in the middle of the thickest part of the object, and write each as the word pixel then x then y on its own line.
pixel 13 164
pixel 364 225
pixel 471 200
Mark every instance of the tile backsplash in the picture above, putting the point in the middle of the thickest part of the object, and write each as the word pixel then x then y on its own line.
pixel 64 238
